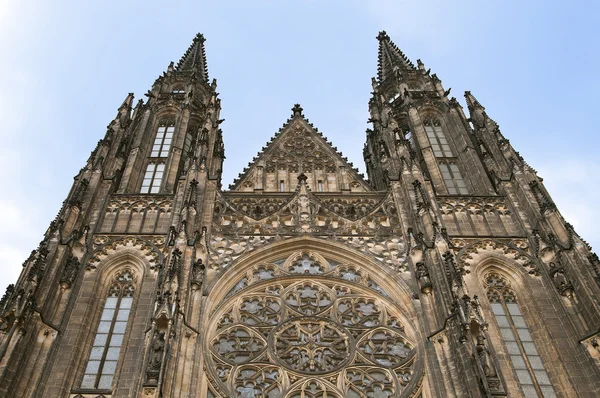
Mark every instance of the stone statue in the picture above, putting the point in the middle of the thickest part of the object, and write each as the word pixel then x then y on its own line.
pixel 198 269
pixel 69 272
pixel 156 356
pixel 484 357
pixel 423 277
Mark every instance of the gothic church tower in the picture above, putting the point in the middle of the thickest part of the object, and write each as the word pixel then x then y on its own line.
pixel 448 273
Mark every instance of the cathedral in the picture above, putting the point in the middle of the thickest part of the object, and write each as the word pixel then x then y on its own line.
pixel 447 272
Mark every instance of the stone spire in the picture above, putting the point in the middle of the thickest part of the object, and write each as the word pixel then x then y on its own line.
pixel 194 59
pixel 472 102
pixel 390 58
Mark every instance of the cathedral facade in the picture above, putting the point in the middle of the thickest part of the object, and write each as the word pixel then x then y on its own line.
pixel 449 272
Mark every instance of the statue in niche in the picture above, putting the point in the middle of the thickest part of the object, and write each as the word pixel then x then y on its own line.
pixel 560 280
pixel 198 269
pixel 423 277
pixel 383 151
pixel 69 272
pixel 156 356
pixel 485 358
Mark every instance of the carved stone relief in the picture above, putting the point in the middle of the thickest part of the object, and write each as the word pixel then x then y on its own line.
pixel 487 216
pixel 137 214
pixel 105 245
pixel 470 252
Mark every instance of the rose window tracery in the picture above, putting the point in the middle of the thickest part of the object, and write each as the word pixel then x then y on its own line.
pixel 295 334
pixel 311 345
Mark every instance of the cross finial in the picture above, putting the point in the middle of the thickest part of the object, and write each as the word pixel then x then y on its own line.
pixel 297 110
pixel 382 35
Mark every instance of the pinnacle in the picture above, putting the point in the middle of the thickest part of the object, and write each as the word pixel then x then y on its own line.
pixel 383 36
pixel 128 102
pixel 194 59
pixel 390 57
pixel 472 102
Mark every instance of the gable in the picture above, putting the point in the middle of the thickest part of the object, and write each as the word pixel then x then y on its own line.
pixel 298 148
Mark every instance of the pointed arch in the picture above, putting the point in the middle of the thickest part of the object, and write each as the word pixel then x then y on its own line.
pixel 388 280
pixel 262 312
pixel 109 337
pixel 503 285
pixel 115 285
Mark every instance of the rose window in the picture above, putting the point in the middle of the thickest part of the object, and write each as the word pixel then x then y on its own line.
pixel 304 334
pixel 311 345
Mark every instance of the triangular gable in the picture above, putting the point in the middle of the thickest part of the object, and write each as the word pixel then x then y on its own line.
pixel 299 148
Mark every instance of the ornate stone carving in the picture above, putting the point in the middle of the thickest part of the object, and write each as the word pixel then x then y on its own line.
pixel 105 245
pixel 223 250
pixel 488 216
pixel 137 214
pixel 307 263
pixel 472 251
pixel 238 345
pixel 157 349
pixel 311 345
pixel 423 278
pixel 69 272
pixel 560 280
pixel 198 270
pixel 305 213
pixel 309 334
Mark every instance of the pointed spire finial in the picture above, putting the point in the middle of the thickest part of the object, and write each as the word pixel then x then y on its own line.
pixel 390 58
pixel 194 59
pixel 297 111
pixel 128 102
pixel 472 102
pixel 383 36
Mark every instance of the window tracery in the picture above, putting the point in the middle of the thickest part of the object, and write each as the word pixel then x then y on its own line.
pixel 306 326
pixel 102 362
pixel 525 359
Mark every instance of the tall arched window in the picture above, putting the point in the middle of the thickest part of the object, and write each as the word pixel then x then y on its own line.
pixel 163 140
pixel 524 356
pixel 453 179
pixel 437 139
pixel 153 178
pixel 102 363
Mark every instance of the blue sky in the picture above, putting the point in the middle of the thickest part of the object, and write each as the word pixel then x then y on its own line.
pixel 67 66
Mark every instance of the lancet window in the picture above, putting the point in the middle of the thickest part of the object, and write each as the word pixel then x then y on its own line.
pixel 437 139
pixel 102 362
pixel 525 359
pixel 153 178
pixel 453 179
pixel 163 140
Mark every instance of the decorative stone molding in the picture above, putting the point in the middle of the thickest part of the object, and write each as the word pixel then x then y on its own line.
pixel 107 245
